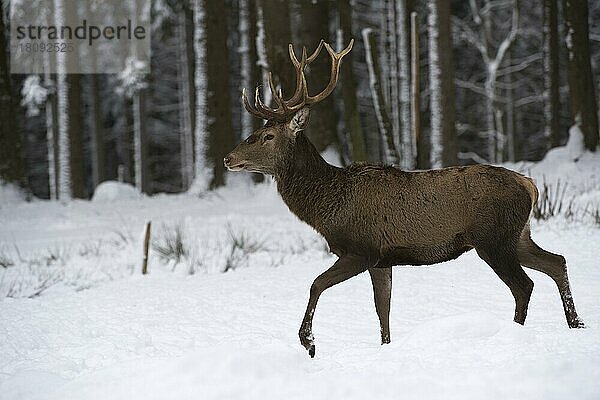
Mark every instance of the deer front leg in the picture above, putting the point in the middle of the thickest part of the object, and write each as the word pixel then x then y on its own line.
pixel 381 278
pixel 344 268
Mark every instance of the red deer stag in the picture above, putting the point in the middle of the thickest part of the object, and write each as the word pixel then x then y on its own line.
pixel 374 217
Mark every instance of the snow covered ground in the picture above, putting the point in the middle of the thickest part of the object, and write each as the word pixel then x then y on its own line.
pixel 79 321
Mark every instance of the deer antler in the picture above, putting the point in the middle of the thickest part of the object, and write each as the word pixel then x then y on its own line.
pixel 286 108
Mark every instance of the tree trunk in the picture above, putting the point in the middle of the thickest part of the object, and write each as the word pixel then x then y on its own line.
pixel 203 174
pixel 551 73
pixel 314 17
pixel 11 161
pixel 220 129
pixel 96 132
pixel 140 140
pixel 62 94
pixel 185 108
pixel 492 134
pixel 75 139
pixel 97 147
pixel 277 35
pixel 581 82
pixel 441 76
pixel 421 159
pixel 250 71
pixel 392 61
pixel 511 139
pixel 383 119
pixel 351 114
pixel 51 139
pixel 407 141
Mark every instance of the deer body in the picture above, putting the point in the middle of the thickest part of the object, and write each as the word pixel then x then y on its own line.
pixel 396 217
pixel 375 217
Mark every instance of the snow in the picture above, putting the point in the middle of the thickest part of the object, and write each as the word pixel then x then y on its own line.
pixel 573 168
pixel 34 95
pixel 10 195
pixel 113 190
pixel 186 331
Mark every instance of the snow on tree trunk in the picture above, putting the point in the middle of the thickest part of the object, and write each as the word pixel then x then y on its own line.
pixel 551 74
pixel 261 49
pixel 51 125
pixel 394 84
pixel 185 110
pixel 435 85
pixel 510 118
pixel 383 119
pixel 140 142
pixel 62 89
pixel 407 141
pixel 51 144
pixel 490 95
pixel 441 75
pixel 203 172
pixel 383 51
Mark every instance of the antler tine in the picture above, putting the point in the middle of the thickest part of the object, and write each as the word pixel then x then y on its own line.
pixel 276 96
pixel 252 110
pixel 301 97
pixel 336 61
pixel 299 66
pixel 342 53
pixel 315 53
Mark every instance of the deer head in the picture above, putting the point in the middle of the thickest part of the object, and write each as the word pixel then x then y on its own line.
pixel 267 149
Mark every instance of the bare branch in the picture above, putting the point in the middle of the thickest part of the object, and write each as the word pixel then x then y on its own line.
pixel 522 65
pixel 510 38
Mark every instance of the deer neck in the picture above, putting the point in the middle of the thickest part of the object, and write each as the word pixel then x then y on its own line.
pixel 305 180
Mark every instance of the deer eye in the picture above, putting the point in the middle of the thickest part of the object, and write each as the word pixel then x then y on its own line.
pixel 268 137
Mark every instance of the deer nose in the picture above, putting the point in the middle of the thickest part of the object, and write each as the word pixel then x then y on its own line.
pixel 226 160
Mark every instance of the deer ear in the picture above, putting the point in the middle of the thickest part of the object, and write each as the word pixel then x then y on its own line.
pixel 299 121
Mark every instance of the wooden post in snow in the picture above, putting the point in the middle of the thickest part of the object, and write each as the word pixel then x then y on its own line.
pixel 414 92
pixel 146 246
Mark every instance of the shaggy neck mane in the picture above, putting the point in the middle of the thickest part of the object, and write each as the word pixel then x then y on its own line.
pixel 302 179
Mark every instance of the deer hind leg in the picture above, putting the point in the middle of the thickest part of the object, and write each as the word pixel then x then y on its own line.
pixel 505 264
pixel 344 268
pixel 554 265
pixel 381 278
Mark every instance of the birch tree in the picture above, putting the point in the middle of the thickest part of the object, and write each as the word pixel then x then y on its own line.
pixel 203 174
pixel 62 95
pixel 407 139
pixel 584 109
pixel 441 83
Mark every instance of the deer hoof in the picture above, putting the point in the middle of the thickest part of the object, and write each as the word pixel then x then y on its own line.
pixel 307 341
pixel 576 324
